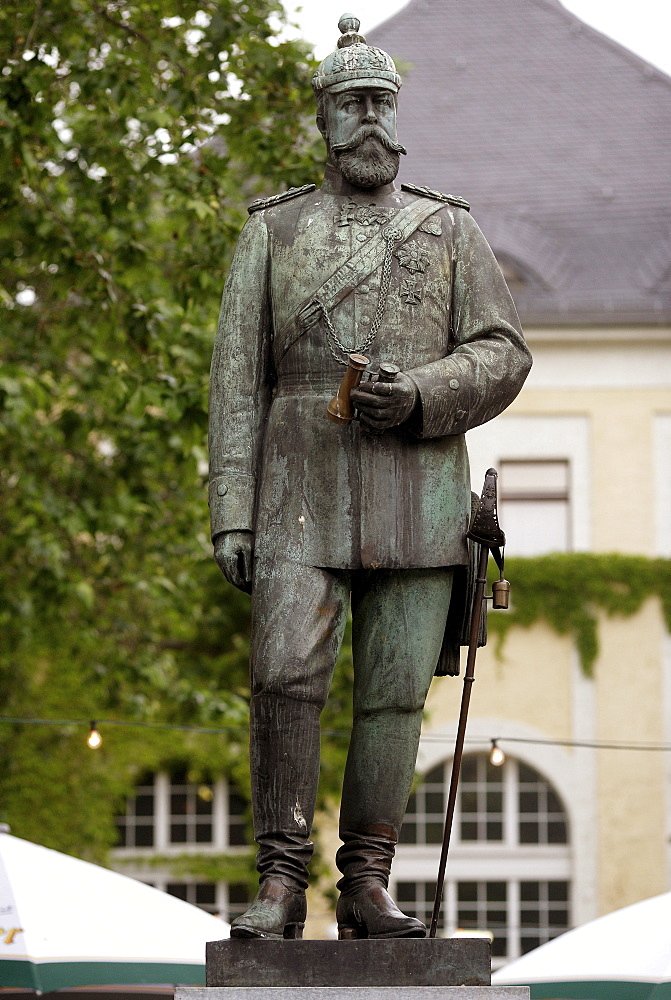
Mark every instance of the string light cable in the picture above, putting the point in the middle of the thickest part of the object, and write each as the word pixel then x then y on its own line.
pixel 94 738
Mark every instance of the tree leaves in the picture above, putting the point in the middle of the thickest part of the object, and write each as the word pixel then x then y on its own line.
pixel 132 134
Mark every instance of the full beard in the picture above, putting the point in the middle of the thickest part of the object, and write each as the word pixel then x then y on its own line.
pixel 369 166
pixel 370 158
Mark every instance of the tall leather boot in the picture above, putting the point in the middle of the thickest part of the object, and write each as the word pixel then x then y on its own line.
pixel 365 909
pixel 284 753
pixel 278 911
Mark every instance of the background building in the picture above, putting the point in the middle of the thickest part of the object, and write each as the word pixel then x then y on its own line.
pixel 560 139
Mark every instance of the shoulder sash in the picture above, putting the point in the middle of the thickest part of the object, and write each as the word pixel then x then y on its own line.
pixel 359 267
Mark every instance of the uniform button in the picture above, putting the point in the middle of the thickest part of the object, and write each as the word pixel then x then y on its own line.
pixel 362 237
pixel 222 489
pixel 454 384
pixel 364 288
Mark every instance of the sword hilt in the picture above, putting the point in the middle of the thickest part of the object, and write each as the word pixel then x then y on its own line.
pixel 485 528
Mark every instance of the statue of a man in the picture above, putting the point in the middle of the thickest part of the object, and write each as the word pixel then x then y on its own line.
pixel 310 516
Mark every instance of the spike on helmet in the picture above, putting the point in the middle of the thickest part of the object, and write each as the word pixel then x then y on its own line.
pixel 354 63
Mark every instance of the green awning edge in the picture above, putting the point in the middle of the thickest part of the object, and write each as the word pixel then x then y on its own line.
pixel 600 990
pixel 45 976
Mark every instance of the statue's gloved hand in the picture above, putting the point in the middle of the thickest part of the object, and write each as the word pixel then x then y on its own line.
pixel 382 405
pixel 233 553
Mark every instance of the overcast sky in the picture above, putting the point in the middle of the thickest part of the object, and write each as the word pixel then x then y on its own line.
pixel 644 26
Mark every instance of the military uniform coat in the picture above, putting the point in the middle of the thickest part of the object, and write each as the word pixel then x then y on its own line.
pixel 340 496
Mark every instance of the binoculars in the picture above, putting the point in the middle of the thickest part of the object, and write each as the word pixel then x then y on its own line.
pixel 340 409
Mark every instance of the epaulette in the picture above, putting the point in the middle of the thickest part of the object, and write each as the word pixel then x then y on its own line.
pixel 451 199
pixel 277 199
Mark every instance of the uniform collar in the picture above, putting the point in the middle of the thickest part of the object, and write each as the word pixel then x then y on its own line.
pixel 335 183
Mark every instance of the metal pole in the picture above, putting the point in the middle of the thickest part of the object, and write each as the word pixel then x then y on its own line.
pixel 469 677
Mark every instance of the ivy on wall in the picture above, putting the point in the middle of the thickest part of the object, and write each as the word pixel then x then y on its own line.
pixel 568 590
pixel 238 867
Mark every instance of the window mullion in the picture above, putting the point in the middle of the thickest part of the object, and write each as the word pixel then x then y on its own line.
pixel 221 898
pixel 514 942
pixel 481 800
pixel 455 833
pixel 450 904
pixel 220 814
pixel 510 804
pixel 162 811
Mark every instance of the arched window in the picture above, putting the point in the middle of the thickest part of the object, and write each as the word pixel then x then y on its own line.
pixel 508 871
pixel 177 812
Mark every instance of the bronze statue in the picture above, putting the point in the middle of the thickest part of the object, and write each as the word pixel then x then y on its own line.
pixel 309 515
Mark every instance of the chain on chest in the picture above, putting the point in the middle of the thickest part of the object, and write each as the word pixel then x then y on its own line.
pixel 414 260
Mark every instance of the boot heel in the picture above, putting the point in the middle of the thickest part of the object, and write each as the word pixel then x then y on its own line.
pixel 347 933
pixel 293 932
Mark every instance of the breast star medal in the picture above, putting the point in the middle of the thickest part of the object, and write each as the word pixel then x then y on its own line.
pixel 413 257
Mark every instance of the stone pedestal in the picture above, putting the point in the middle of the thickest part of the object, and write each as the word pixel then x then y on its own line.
pixel 397 969
pixel 393 962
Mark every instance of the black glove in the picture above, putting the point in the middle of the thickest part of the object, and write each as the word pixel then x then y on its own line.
pixel 233 552
pixel 382 405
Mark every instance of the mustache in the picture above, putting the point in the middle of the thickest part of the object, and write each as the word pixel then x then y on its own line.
pixel 368 132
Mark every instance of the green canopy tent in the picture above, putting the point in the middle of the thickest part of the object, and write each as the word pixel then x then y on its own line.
pixel 66 923
pixel 625 955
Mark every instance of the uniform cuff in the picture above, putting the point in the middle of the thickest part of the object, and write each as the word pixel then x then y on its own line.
pixel 444 403
pixel 231 500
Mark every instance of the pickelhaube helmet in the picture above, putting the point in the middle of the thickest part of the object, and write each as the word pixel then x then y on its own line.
pixel 355 62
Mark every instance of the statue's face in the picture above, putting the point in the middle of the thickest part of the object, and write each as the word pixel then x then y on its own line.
pixel 359 126
pixel 350 109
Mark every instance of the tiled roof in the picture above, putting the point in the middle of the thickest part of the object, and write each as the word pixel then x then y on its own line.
pixel 559 138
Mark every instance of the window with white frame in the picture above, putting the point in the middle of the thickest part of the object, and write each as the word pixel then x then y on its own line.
pixel 183 811
pixel 201 894
pixel 509 869
pixel 135 828
pixel 534 504
pixel 225 899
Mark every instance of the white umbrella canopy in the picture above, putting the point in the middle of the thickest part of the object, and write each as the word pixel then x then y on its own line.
pixel 66 923
pixel 625 955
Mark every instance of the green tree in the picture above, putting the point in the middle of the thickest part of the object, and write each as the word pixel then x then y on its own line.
pixel 132 135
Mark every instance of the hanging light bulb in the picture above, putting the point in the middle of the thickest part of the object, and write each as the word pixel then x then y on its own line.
pixel 497 756
pixel 94 738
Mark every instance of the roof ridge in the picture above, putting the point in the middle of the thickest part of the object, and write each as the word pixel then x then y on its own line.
pixel 558 7
pixel 601 37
